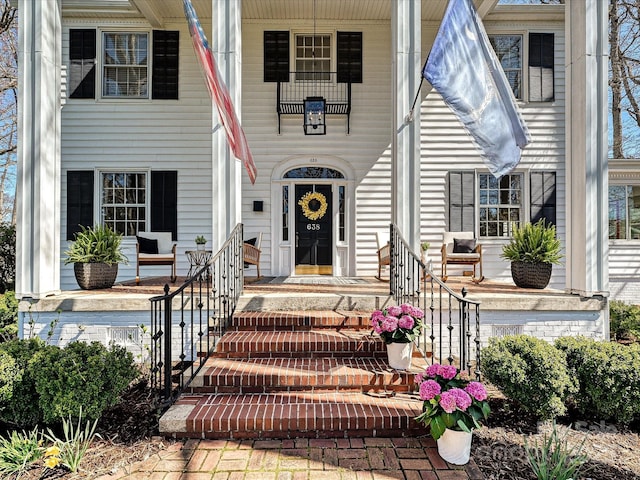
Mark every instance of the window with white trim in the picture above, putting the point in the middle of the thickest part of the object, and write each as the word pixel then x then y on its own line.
pixel 508 49
pixel 313 57
pixel 500 204
pixel 125 64
pixel 624 212
pixel 123 205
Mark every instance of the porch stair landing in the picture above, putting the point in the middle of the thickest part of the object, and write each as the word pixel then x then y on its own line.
pixel 313 374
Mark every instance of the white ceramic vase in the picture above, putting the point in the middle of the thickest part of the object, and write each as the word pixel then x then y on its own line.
pixel 455 446
pixel 399 355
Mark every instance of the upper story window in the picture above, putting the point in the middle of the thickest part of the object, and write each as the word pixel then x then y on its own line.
pixel 313 53
pixel 508 49
pixel 132 64
pixel 624 212
pixel 313 57
pixel 125 72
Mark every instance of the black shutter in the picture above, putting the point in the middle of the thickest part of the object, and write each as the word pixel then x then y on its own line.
pixel 541 68
pixel 79 201
pixel 164 202
pixel 543 196
pixel 82 68
pixel 461 195
pixel 276 56
pixel 349 57
pixel 164 84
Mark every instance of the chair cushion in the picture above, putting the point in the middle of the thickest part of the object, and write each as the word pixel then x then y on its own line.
pixel 251 241
pixel 463 257
pixel 464 245
pixel 147 245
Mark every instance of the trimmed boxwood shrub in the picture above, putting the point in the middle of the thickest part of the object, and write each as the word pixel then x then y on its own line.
pixel 53 383
pixel 624 321
pixel 82 375
pixel 530 371
pixel 9 375
pixel 608 375
pixel 20 407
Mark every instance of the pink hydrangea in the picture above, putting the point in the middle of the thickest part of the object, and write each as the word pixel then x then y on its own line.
pixel 419 378
pixel 394 311
pixel 433 370
pixel 406 308
pixel 416 312
pixel 429 389
pixel 406 321
pixel 463 400
pixel 389 324
pixel 448 371
pixel 477 391
pixel 448 401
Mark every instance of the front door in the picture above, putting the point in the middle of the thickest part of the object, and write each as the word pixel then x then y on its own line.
pixel 313 230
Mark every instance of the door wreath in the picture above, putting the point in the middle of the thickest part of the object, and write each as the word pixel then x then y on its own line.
pixel 314 205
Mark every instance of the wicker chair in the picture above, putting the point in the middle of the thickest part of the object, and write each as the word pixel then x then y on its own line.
pixel 384 252
pixel 166 252
pixel 251 253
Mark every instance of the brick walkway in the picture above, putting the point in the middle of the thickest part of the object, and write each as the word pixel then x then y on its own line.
pixel 301 459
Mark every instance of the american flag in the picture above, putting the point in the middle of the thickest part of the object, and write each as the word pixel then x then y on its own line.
pixel 219 93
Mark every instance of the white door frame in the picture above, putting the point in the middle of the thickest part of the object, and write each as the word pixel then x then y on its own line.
pixel 283 251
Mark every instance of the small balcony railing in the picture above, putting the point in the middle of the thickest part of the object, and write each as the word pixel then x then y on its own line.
pixel 301 85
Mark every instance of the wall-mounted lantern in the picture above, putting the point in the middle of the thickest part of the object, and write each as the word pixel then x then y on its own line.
pixel 314 115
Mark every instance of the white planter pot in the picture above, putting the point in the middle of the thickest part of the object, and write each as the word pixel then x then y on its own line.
pixel 455 447
pixel 399 355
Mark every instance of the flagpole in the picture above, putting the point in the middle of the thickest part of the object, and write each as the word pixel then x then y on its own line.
pixel 410 116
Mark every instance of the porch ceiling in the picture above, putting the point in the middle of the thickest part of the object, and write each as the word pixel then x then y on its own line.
pixel 156 11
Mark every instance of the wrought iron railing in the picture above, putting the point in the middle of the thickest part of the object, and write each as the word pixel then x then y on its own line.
pixel 187 323
pixel 301 85
pixel 453 321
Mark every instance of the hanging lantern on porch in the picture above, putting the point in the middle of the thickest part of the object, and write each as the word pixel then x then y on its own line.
pixel 314 114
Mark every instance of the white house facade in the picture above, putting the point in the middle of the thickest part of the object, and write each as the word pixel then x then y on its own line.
pixel 117 127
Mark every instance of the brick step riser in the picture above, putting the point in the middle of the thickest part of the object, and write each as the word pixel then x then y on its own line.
pixel 353 427
pixel 293 434
pixel 284 349
pixel 293 388
pixel 299 354
pixel 289 323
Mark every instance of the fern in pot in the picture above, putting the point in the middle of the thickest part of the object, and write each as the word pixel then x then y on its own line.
pixel 533 250
pixel 95 254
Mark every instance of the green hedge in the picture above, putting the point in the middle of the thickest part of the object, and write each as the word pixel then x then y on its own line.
pixel 624 321
pixel 530 371
pixel 56 382
pixel 608 374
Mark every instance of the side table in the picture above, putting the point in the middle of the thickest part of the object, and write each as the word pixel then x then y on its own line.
pixel 197 259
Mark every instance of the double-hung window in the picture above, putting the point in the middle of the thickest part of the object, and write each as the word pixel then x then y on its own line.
pixel 125 65
pixel 624 212
pixel 124 201
pixel 500 204
pixel 508 49
pixel 313 57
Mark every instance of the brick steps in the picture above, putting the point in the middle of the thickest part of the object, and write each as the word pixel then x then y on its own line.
pixel 296 415
pixel 313 343
pixel 313 374
pixel 301 320
pixel 242 375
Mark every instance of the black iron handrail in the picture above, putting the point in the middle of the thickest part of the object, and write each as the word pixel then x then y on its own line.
pixel 412 281
pixel 187 323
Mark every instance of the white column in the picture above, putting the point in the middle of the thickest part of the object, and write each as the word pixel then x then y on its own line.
pixel 407 62
pixel 38 172
pixel 586 161
pixel 226 43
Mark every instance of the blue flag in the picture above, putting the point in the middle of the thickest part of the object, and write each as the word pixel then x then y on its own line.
pixel 464 69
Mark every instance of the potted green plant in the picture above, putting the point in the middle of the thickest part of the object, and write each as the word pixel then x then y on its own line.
pixel 95 254
pixel 200 242
pixel 533 250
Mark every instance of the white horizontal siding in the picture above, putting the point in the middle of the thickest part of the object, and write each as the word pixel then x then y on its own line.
pixel 176 135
